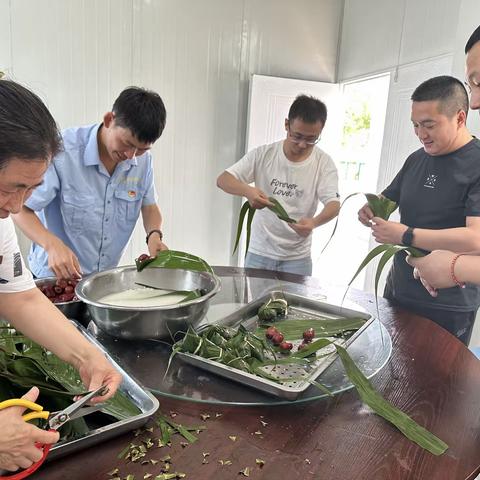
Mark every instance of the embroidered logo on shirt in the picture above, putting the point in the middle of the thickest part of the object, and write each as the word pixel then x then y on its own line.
pixel 2 280
pixel 430 181
pixel 132 193
pixel 17 265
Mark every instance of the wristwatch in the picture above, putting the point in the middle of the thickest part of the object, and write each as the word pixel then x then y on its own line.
pixel 407 237
pixel 154 231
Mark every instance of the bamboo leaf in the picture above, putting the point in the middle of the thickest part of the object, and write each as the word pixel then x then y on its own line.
pixel 379 405
pixel 175 259
pixel 321 387
pixel 387 255
pixel 24 364
pixel 243 211
pixel 370 256
pixel 279 211
pixel 251 213
pixel 293 328
pixel 381 207
pixel 337 220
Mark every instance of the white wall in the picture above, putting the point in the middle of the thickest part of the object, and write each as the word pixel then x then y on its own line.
pixel 378 35
pixel 199 55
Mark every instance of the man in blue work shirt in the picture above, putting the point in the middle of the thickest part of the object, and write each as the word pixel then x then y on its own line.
pixel 94 191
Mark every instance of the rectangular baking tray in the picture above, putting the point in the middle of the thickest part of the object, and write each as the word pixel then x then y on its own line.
pixel 143 399
pixel 298 305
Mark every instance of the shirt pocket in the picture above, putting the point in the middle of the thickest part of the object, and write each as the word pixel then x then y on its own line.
pixel 74 208
pixel 128 204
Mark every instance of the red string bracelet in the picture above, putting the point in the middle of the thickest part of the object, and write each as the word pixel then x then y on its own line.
pixel 452 271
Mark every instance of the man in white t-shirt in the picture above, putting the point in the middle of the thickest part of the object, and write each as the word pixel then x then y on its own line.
pixel 297 174
pixel 28 140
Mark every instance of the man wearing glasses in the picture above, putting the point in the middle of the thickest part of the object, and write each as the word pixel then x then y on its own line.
pixel 299 175
pixel 95 189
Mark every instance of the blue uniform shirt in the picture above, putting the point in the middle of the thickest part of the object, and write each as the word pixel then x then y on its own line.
pixel 92 212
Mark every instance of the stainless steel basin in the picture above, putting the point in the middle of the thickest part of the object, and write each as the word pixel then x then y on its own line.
pixel 146 322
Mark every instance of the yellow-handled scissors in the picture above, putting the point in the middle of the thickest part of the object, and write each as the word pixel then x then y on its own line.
pixel 55 421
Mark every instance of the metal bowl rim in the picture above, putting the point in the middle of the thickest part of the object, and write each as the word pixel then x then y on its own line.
pixel 81 284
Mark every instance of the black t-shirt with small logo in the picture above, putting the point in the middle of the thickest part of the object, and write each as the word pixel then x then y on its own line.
pixel 435 192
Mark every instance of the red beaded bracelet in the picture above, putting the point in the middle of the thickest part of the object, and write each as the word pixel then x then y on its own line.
pixel 452 270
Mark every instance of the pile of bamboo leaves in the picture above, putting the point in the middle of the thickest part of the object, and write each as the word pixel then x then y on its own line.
pixel 248 211
pixel 24 364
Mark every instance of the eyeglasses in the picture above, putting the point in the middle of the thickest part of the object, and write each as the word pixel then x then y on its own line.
pixel 297 138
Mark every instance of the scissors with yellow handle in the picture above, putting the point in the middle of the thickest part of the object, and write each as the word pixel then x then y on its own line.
pixel 55 421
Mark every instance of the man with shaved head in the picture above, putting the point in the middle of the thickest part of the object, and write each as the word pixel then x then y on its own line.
pixel 450 268
pixel 438 193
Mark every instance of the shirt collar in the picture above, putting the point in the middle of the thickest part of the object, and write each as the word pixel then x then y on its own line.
pixel 92 157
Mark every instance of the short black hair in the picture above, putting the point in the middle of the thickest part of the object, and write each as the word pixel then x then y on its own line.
pixel 448 91
pixel 474 38
pixel 27 129
pixel 308 109
pixel 142 112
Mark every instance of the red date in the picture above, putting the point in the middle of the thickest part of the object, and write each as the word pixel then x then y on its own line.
pixel 61 291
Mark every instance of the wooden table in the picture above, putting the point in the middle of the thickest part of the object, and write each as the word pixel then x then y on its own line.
pixel 431 376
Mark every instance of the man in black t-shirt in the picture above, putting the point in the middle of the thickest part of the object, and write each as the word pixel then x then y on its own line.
pixel 438 193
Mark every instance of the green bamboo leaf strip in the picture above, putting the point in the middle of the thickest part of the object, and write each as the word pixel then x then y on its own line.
pixel 370 256
pixel 380 206
pixel 243 211
pixel 175 259
pixel 293 328
pixel 337 220
pixel 279 211
pixel 387 255
pixel 184 432
pixel 411 429
pixel 251 213
pixel 277 208
pixel 321 387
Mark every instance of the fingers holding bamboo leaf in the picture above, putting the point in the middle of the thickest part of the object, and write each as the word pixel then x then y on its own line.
pixel 365 215
pixel 303 227
pixel 246 207
pixel 385 231
pixel 257 198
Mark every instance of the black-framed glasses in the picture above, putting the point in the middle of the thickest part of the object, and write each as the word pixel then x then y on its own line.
pixel 297 138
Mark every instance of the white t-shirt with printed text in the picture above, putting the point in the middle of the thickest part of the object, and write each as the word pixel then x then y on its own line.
pixel 14 276
pixel 298 186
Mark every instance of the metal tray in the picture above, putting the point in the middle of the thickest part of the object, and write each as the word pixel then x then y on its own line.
pixel 143 399
pixel 300 306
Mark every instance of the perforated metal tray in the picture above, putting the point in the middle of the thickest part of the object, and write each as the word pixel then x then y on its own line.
pixel 299 306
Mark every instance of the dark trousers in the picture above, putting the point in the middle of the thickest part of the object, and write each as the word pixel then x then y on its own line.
pixel 459 324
